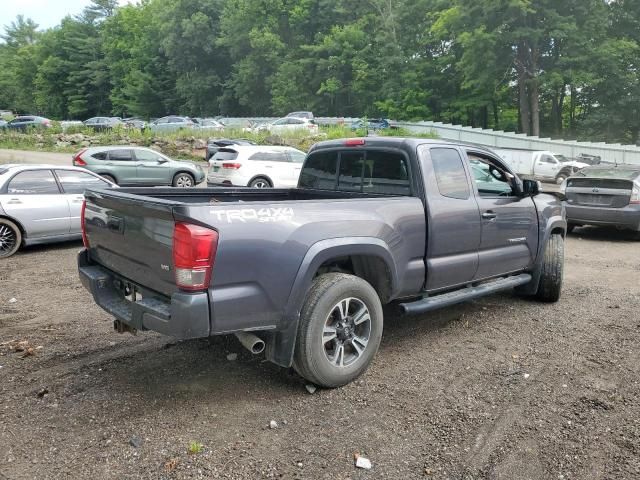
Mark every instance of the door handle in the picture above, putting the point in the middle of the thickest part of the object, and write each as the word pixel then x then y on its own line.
pixel 14 201
pixel 489 215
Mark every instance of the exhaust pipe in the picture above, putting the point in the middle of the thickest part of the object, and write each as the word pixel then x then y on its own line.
pixel 251 342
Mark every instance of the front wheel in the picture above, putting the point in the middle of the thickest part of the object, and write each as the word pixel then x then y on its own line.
pixel 260 183
pixel 183 180
pixel 10 238
pixel 340 330
pixel 561 178
pixel 550 284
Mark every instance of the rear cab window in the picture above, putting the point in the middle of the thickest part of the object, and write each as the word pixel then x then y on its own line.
pixel 374 171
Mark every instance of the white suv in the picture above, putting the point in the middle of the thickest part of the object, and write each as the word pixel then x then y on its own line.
pixel 255 166
pixel 293 124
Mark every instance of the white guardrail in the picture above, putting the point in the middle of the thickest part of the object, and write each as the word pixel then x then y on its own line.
pixel 608 152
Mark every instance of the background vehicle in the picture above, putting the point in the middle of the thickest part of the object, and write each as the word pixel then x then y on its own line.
pixel 103 123
pixel 291 124
pixel 41 204
pixel 171 124
pixel 134 122
pixel 371 124
pixel 210 124
pixel 3 123
pixel 306 271
pixel 214 144
pixel 255 166
pixel 124 165
pixel 25 122
pixel 604 195
pixel 307 115
pixel 541 165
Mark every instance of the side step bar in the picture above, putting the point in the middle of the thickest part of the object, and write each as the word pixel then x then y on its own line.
pixel 434 302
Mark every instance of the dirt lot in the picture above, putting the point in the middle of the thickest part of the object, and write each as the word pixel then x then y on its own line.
pixel 500 388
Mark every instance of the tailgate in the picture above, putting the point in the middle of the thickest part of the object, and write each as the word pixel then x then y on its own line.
pixel 596 192
pixel 132 237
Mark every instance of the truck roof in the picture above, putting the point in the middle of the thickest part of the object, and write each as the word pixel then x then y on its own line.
pixel 397 142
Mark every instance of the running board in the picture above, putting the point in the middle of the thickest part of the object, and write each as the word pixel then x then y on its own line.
pixel 434 302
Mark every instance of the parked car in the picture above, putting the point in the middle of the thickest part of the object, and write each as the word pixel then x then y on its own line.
pixel 371 124
pixel 3 123
pixel 125 165
pixel 604 195
pixel 103 123
pixel 214 144
pixel 135 123
pixel 42 204
pixel 210 124
pixel 307 115
pixel 291 124
pixel 255 166
pixel 25 122
pixel 171 124
pixel 305 272
pixel 67 124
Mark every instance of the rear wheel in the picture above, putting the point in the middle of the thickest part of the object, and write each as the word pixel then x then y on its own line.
pixel 260 182
pixel 183 180
pixel 340 330
pixel 550 284
pixel 10 238
pixel 109 178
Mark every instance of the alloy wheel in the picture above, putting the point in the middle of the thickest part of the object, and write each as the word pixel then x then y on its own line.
pixel 346 332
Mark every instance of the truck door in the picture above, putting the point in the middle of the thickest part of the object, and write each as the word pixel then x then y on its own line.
pixel 453 219
pixel 509 222
pixel 546 166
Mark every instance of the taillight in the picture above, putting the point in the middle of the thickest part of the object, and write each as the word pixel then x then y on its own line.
pixel 353 142
pixel 635 195
pixel 194 252
pixel 85 240
pixel 77 158
pixel 233 166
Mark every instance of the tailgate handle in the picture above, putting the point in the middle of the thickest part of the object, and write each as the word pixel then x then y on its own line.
pixel 116 224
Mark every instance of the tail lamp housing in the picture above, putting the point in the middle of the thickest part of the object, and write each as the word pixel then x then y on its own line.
pixel 194 252
pixel 77 159
pixel 85 240
pixel 635 195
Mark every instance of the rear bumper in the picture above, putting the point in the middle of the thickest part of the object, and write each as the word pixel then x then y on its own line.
pixel 183 316
pixel 626 217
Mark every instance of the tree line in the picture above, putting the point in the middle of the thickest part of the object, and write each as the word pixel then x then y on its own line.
pixel 563 68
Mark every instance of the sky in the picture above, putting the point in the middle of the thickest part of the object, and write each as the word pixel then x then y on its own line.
pixel 46 13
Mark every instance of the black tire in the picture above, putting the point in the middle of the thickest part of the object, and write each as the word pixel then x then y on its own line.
pixel 183 180
pixel 561 178
pixel 550 284
pixel 333 361
pixel 10 238
pixel 260 182
pixel 109 178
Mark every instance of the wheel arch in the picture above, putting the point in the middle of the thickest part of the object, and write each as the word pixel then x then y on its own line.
pixel 261 175
pixel 370 259
pixel 23 231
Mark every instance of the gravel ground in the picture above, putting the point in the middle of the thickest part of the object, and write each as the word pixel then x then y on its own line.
pixel 501 388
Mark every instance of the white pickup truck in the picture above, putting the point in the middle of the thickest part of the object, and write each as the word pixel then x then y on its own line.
pixel 540 164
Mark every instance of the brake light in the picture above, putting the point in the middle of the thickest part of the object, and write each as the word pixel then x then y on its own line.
pixel 85 240
pixel 233 166
pixel 635 195
pixel 194 252
pixel 354 142
pixel 77 159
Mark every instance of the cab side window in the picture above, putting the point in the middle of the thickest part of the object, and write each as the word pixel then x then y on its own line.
pixel 450 175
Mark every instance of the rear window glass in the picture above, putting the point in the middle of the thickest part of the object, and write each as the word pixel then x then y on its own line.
pixel 225 155
pixel 319 171
pixel 100 155
pixel 369 171
pixel 450 173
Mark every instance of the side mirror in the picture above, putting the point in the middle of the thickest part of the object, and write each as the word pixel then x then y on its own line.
pixel 530 188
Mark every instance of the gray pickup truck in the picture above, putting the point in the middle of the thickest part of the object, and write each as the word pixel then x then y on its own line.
pixel 303 273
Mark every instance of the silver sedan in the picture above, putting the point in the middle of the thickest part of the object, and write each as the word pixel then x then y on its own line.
pixel 42 204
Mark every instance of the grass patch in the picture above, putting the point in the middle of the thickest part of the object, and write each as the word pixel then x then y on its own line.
pixel 194 448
